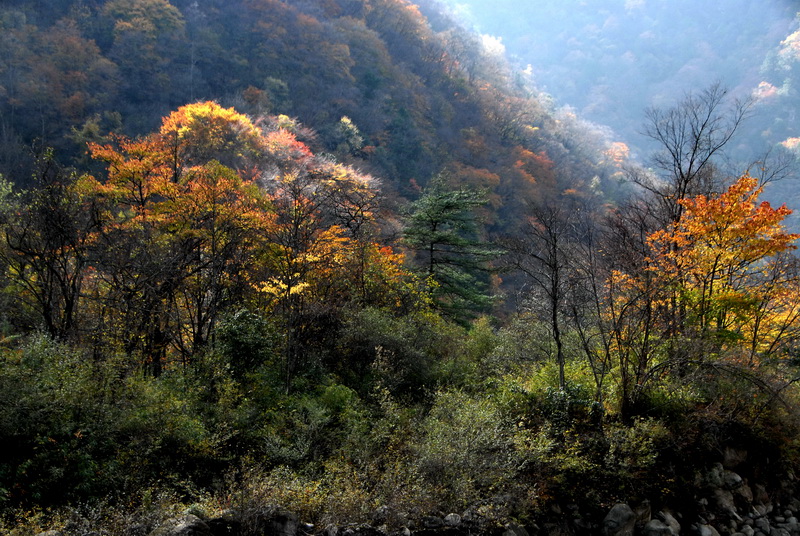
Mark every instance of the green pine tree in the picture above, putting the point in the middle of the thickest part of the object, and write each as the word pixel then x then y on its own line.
pixel 442 229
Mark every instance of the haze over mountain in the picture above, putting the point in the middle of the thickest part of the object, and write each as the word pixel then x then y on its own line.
pixel 610 60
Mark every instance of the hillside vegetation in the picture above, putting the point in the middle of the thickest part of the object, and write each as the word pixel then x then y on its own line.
pixel 335 257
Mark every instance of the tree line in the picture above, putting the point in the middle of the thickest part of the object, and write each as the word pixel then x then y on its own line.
pixel 214 213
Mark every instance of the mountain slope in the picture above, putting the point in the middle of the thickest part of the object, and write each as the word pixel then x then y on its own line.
pixel 420 95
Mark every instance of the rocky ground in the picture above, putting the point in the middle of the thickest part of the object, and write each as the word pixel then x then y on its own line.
pixel 721 502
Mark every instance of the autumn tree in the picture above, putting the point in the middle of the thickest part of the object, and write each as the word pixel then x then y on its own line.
pixel 718 286
pixel 198 133
pixel 182 226
pixel 46 248
pixel 724 260
pixel 223 218
pixel 320 244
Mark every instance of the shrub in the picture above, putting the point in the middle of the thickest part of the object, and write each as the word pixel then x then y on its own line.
pixel 466 448
pixel 55 422
pixel 248 341
pixel 400 354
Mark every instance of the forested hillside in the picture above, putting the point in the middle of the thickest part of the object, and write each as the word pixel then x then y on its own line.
pixel 612 62
pixel 330 262
pixel 418 98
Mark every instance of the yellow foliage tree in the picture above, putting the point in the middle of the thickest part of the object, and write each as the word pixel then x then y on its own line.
pixel 204 131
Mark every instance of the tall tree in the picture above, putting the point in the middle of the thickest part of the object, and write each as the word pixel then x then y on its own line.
pixel 47 240
pixel 546 252
pixel 689 136
pixel 725 260
pixel 723 271
pixel 181 228
pixel 442 228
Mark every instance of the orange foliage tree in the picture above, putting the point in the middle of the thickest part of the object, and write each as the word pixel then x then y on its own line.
pixel 727 273
pixel 180 228
pixel 716 287
pixel 208 214
pixel 213 211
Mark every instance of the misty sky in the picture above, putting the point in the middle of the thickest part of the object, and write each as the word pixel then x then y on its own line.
pixel 610 59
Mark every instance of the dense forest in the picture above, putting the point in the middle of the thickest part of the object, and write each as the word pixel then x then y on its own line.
pixel 340 257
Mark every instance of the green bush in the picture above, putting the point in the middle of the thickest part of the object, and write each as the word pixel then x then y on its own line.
pixel 378 349
pixel 467 365
pixel 77 429
pixel 466 448
pixel 55 422
pixel 305 429
pixel 248 341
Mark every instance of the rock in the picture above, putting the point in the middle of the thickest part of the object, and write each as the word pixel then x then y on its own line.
pixel 670 521
pixel 706 530
pixel 195 510
pixel 724 500
pixel 745 493
pixel 186 525
pixel 452 520
pixel 362 530
pixel 714 478
pixel 656 527
pixel 619 521
pixel 275 522
pixel 50 533
pixel 512 529
pixel 709 518
pixel 381 514
pixel 747 530
pixel 221 527
pixel 432 522
pixel 762 524
pixel 228 523
pixel 731 480
pixel 760 495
